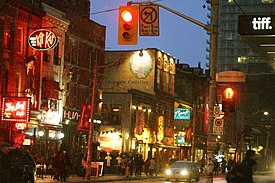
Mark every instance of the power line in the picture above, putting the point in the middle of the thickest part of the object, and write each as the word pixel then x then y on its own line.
pixel 239 6
pixel 105 11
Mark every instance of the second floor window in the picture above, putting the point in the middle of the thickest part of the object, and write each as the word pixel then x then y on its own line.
pixel 19 40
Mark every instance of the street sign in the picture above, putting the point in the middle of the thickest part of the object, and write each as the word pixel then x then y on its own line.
pixel 218 127
pixel 148 20
pixel 217 111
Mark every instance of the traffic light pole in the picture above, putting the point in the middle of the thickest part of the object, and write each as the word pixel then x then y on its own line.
pixel 213 29
pixel 212 87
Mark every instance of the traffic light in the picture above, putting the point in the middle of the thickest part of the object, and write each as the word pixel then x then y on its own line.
pixel 228 100
pixel 128 25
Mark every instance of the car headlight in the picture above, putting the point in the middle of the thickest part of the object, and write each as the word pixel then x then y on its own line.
pixel 184 172
pixel 168 172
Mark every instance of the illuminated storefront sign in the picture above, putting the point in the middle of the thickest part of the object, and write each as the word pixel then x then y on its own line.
pixel 21 126
pixel 15 109
pixel 42 40
pixel 182 113
pixel 50 117
pixel 256 25
pixel 160 128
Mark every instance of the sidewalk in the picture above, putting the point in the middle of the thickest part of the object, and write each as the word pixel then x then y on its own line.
pixel 105 178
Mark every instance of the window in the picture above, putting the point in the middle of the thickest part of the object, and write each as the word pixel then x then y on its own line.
pixel 17 83
pixel 57 60
pixel 46 56
pixel 111 114
pixel 7 39
pixel 19 40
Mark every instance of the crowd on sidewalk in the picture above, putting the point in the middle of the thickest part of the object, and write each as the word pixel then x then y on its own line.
pixel 126 165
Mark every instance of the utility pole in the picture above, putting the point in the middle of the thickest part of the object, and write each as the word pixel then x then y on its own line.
pixel 212 87
pixel 90 137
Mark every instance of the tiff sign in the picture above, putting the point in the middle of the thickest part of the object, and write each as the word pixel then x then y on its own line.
pixel 256 25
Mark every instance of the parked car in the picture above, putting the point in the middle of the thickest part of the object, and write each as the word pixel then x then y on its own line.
pixel 183 170
pixel 23 167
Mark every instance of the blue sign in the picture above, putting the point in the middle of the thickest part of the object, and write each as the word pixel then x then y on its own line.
pixel 182 113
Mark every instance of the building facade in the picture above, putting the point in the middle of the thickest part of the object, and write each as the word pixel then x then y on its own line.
pixel 138 103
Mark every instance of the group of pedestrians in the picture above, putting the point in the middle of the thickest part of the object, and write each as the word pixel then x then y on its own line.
pixel 134 165
pixel 61 165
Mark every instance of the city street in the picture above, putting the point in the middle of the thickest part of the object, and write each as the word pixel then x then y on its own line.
pixel 264 178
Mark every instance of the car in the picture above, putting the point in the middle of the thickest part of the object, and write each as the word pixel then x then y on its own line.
pixel 183 170
pixel 23 167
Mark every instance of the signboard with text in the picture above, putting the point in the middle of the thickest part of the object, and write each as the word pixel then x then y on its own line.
pixel 256 24
pixel 15 109
pixel 43 39
pixel 149 20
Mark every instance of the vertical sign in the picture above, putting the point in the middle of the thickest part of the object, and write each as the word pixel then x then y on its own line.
pixel 148 20
pixel 218 126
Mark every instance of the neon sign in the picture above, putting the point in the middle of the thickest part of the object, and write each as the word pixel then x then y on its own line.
pixel 42 39
pixel 21 126
pixel 15 109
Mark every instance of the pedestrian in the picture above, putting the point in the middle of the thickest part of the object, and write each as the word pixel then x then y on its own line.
pixel 131 165
pixel 223 165
pixel 123 164
pixel 55 166
pixel 5 166
pixel 209 166
pixel 243 172
pixel 146 166
pixel 139 165
pixel 152 166
pixel 64 167
pixel 84 164
pixel 229 165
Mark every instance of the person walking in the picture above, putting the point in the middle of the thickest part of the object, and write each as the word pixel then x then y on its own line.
pixel 152 166
pixel 139 165
pixel 146 166
pixel 55 166
pixel 84 164
pixel 243 172
pixel 64 167
pixel 5 166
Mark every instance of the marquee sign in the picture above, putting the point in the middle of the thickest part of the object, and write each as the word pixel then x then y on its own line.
pixel 256 24
pixel 42 39
pixel 15 109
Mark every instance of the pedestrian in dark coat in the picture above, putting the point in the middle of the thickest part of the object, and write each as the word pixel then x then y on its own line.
pixel 243 173
pixel 5 166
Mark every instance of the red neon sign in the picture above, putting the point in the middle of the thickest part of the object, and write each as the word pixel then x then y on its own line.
pixel 21 126
pixel 15 109
pixel 42 39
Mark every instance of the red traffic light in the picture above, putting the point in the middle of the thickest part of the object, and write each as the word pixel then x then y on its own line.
pixel 126 16
pixel 128 25
pixel 228 93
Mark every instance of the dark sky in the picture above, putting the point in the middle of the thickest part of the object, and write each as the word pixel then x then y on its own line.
pixel 180 38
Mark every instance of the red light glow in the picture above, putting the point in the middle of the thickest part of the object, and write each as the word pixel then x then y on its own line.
pixel 15 109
